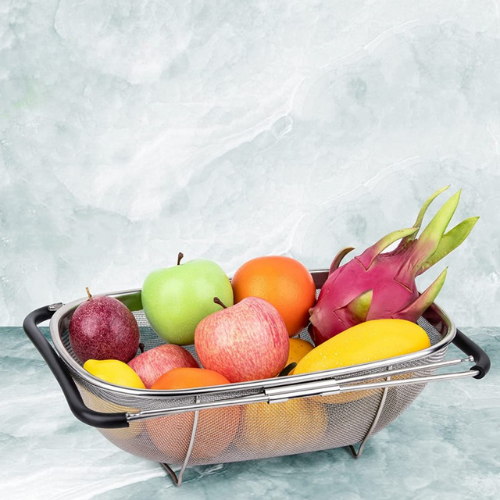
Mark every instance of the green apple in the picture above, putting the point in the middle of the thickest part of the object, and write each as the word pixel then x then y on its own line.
pixel 176 299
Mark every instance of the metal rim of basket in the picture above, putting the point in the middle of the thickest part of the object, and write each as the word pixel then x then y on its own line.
pixel 56 327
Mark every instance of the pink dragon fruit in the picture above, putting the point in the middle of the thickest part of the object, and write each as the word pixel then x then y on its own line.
pixel 378 285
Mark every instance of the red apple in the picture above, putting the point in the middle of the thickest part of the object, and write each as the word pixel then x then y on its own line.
pixel 152 364
pixel 247 341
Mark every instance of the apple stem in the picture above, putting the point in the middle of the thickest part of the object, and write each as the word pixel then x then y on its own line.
pixel 218 301
pixel 141 347
pixel 88 293
pixel 179 257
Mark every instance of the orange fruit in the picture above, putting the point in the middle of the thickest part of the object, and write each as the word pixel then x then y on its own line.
pixel 282 281
pixel 216 427
pixel 295 426
pixel 298 349
pixel 185 378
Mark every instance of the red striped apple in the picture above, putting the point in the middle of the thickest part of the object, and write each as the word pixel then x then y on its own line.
pixel 247 341
pixel 153 363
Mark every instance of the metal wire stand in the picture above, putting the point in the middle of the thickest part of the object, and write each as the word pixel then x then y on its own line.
pixel 357 453
pixel 177 478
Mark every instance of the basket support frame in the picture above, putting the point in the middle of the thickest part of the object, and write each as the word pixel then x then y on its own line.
pixel 177 478
pixel 357 453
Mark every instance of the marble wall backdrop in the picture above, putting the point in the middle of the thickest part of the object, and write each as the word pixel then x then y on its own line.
pixel 130 131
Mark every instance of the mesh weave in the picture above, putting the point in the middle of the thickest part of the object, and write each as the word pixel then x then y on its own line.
pixel 252 431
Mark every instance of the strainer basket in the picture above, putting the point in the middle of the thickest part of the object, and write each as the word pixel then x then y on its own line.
pixel 250 420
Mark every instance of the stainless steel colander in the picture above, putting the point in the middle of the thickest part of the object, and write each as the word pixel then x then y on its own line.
pixel 251 420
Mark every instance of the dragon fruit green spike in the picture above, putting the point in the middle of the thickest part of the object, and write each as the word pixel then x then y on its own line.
pixel 377 285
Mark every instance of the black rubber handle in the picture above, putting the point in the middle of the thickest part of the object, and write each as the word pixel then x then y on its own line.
pixel 470 348
pixel 62 375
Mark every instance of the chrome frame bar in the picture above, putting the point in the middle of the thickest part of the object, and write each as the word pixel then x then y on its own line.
pixel 315 388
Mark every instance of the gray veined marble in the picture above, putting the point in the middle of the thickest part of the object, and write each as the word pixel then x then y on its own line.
pixel 445 446
pixel 132 130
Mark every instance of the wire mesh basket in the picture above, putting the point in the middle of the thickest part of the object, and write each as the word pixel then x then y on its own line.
pixel 250 420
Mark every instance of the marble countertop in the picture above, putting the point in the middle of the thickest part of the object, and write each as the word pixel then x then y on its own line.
pixel 446 446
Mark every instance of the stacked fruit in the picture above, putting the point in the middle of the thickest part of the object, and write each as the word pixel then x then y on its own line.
pixel 241 329
pixel 246 328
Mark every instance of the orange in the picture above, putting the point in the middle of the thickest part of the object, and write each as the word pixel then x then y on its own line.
pixel 184 378
pixel 298 349
pixel 216 427
pixel 282 281
pixel 295 426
